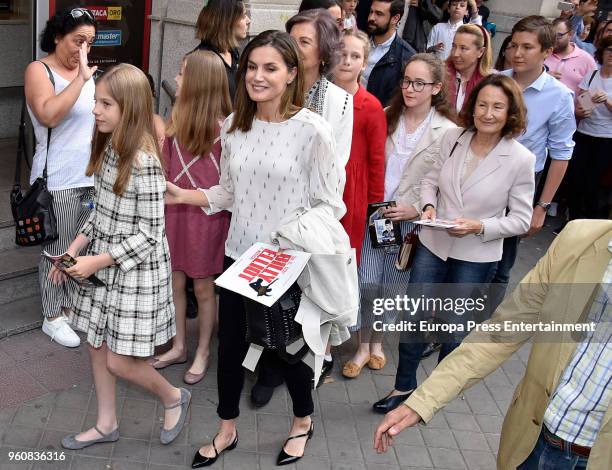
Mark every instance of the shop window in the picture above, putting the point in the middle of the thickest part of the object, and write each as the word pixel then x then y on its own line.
pixel 14 10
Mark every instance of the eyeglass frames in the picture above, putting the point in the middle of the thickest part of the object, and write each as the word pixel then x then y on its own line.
pixel 417 85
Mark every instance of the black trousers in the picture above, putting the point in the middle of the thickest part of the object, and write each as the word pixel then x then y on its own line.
pixel 232 350
pixel 589 174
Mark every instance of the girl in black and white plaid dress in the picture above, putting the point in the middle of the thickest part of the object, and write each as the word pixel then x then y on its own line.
pixel 127 249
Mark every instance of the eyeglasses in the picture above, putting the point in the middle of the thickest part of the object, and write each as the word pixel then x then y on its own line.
pixel 76 13
pixel 560 35
pixel 417 85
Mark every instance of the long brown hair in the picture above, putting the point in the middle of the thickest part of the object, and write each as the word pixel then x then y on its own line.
pixel 439 101
pixel 203 100
pixel 215 24
pixel 293 97
pixel 129 87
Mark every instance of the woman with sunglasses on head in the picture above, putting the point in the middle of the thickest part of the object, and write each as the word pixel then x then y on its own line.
pixel 59 92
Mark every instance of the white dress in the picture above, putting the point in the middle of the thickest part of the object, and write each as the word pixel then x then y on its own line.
pixel 272 170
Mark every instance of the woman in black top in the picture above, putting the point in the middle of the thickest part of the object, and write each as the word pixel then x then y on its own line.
pixel 221 25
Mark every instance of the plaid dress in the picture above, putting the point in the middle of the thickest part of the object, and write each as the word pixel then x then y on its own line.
pixel 134 312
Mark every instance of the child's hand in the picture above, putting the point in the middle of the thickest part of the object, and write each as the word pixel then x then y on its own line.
pixel 173 193
pixel 85 266
pixel 399 213
pixel 56 276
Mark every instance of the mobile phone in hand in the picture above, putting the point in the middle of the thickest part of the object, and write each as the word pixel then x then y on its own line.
pixel 585 101
pixel 565 6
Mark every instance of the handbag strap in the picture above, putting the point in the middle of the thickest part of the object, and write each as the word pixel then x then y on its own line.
pixel 21 145
pixel 50 74
pixel 457 143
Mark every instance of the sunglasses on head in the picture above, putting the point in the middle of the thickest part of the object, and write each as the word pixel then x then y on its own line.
pixel 76 13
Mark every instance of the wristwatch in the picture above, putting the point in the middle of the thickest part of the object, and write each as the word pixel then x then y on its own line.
pixel 543 205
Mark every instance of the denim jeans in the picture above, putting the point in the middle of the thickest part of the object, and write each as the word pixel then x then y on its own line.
pixel 545 456
pixel 501 273
pixel 427 268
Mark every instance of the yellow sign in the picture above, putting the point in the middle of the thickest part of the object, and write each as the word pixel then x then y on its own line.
pixel 114 13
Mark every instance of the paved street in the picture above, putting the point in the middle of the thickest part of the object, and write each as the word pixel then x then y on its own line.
pixel 46 392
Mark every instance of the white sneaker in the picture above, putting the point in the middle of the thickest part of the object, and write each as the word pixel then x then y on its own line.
pixel 60 332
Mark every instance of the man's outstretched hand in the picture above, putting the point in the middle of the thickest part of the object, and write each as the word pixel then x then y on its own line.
pixel 394 422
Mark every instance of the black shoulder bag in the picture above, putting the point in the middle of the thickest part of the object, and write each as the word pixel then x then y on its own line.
pixel 35 221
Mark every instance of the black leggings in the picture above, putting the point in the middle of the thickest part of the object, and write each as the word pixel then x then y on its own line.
pixel 233 349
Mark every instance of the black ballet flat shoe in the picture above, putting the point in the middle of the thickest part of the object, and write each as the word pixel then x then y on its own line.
pixel 430 349
pixel 200 461
pixel 389 403
pixel 284 458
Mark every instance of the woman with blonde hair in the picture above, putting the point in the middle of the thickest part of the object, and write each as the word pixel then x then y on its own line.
pixel 126 248
pixel 365 170
pixel 469 62
pixel 192 153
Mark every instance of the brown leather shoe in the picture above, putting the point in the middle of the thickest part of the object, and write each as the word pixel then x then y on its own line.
pixel 352 370
pixel 377 362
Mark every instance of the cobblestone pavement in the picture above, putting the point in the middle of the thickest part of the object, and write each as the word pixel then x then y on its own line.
pixel 46 392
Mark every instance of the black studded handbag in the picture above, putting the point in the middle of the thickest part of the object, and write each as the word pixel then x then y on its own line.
pixel 275 327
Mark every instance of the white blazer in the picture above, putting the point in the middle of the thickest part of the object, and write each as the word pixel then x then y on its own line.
pixel 338 111
pixel 504 179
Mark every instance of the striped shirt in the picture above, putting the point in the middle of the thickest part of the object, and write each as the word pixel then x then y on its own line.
pixel 583 395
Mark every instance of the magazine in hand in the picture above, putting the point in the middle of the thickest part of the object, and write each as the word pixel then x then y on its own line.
pixel 439 223
pixel 264 272
pixel 65 261
pixel 383 232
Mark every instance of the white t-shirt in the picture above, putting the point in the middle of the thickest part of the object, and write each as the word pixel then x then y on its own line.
pixel 599 124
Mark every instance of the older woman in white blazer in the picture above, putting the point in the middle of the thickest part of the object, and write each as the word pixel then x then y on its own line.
pixel 482 170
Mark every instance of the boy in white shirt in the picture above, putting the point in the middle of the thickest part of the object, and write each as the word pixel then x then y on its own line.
pixel 441 36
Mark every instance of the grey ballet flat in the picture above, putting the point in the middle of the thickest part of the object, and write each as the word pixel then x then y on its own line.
pixel 168 435
pixel 70 442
